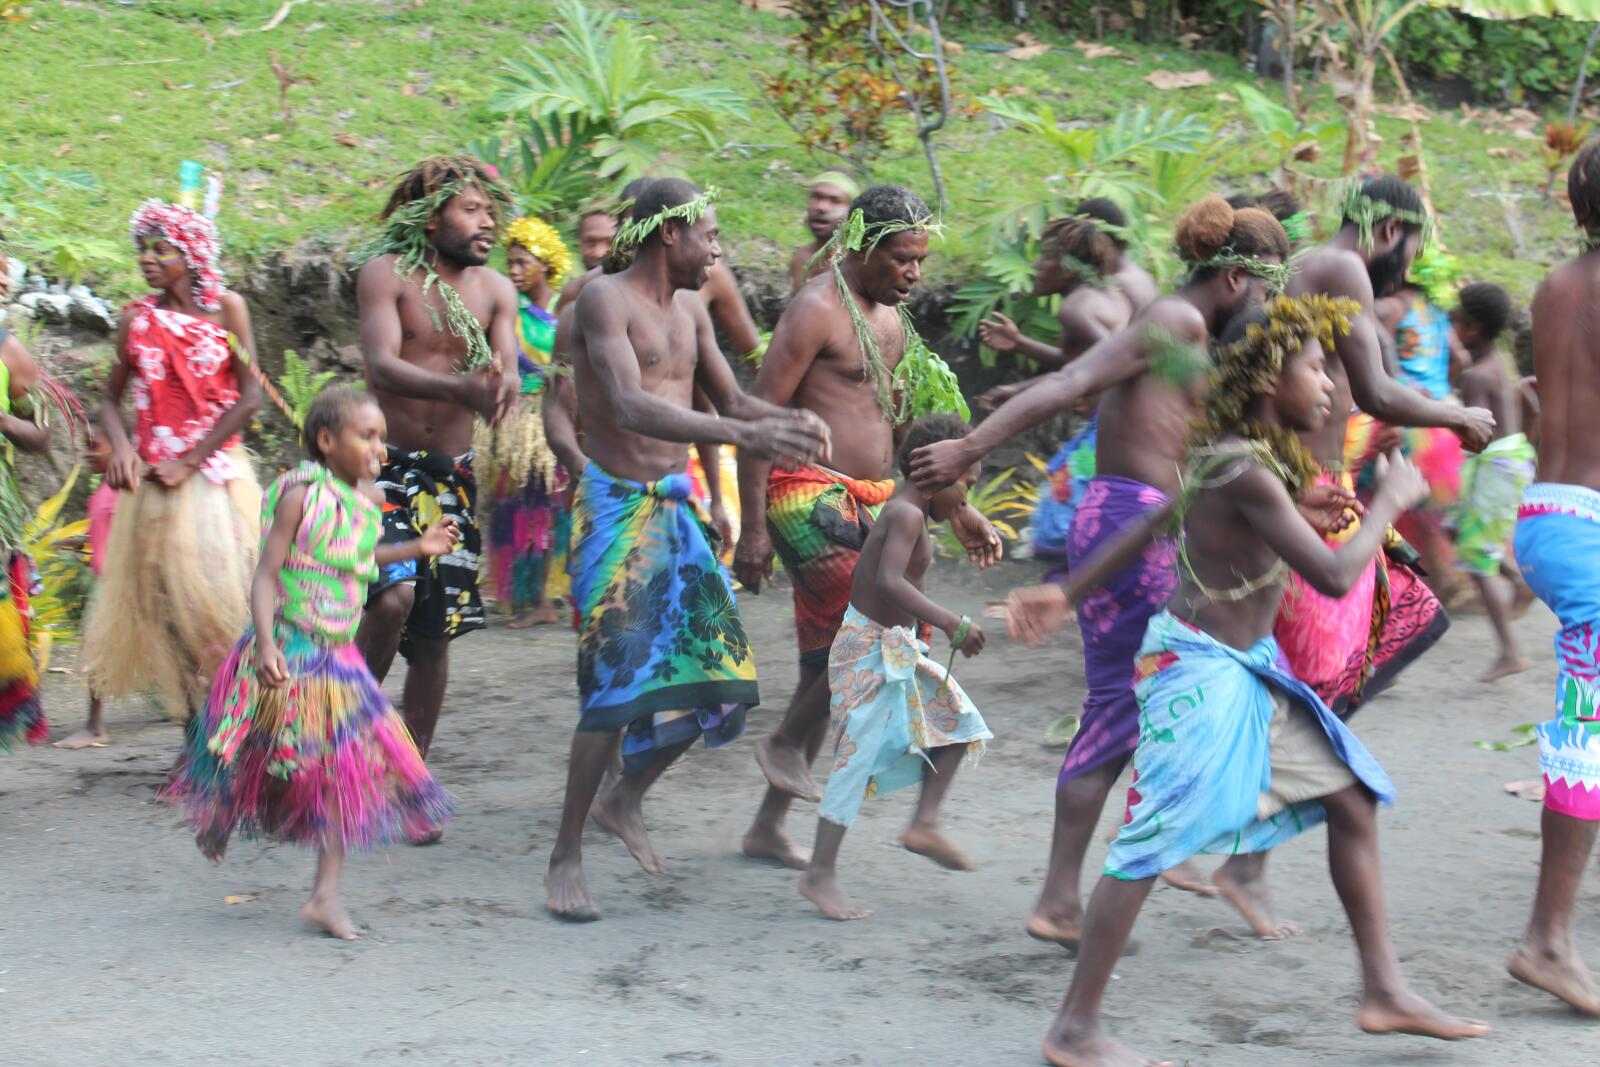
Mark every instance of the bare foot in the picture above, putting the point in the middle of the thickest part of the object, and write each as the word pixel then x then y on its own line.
pixel 1559 973
pixel 568 894
pixel 928 841
pixel 823 891
pixel 626 821
pixel 771 843
pixel 1251 898
pixel 1187 877
pixel 785 767
pixel 1504 667
pixel 1407 1013
pixel 1064 932
pixel 543 615
pixel 1092 1048
pixel 84 738
pixel 328 913
pixel 432 837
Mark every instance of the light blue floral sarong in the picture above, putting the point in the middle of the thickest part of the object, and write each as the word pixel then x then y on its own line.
pixel 890 705
pixel 1204 762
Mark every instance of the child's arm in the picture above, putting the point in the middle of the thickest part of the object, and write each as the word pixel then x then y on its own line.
pixel 1036 612
pixel 437 540
pixel 271 668
pixel 1268 508
pixel 902 527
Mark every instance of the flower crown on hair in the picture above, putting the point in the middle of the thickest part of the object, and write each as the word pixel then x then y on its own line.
pixel 542 242
pixel 195 238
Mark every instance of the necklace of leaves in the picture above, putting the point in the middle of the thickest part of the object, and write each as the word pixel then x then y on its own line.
pixel 922 383
pixel 405 235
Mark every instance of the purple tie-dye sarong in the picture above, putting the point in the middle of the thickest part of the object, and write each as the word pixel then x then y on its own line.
pixel 1113 620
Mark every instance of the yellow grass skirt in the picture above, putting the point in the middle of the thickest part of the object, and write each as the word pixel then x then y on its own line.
pixel 174 594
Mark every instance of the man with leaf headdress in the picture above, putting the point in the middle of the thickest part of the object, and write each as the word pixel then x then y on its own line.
pixel 438 334
pixel 844 350
pixel 662 653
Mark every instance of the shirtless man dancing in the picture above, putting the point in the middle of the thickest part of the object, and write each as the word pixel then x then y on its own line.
pixel 1100 285
pixel 439 339
pixel 1558 535
pixel 662 654
pixel 1147 373
pixel 817 518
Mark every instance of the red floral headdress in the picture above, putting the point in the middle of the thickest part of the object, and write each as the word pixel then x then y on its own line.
pixel 192 234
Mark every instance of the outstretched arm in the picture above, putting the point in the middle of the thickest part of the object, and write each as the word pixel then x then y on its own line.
pixel 1116 359
pixel 1267 506
pixel 1374 390
pixel 378 299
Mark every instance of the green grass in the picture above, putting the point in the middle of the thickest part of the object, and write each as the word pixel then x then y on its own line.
pixel 154 83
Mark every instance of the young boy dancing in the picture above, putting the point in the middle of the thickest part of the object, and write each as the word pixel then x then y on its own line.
pixel 898 716
pixel 1492 481
pixel 1235 754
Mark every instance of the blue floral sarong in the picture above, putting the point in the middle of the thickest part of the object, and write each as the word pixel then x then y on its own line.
pixel 1204 761
pixel 662 651
pixel 890 705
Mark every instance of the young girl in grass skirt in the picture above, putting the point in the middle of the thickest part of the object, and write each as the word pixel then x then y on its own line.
pixel 297 741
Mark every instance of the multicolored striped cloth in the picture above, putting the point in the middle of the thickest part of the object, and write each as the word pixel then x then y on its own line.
pixel 323 583
pixel 818 520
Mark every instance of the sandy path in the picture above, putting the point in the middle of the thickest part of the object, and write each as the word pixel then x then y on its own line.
pixel 116 945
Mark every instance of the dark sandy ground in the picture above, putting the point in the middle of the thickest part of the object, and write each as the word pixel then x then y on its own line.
pixel 118 945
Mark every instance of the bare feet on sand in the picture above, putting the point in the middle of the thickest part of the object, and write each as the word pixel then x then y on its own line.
pixel 1187 877
pixel 84 738
pixel 823 891
pixel 1064 932
pixel 1251 898
pixel 624 819
pixel 1092 1048
pixel 785 767
pixel 1504 667
pixel 770 843
pixel 330 916
pixel 1558 972
pixel 567 894
pixel 928 841
pixel 543 615
pixel 1407 1013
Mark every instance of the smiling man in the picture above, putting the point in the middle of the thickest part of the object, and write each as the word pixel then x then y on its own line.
pixel 438 334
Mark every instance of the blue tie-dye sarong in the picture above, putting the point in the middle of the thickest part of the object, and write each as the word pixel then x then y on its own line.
pixel 661 648
pixel 1204 755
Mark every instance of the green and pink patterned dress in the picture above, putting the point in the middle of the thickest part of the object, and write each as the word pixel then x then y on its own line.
pixel 325 757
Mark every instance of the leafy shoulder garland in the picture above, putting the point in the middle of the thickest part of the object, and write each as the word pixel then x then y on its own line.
pixel 922 383
pixel 405 236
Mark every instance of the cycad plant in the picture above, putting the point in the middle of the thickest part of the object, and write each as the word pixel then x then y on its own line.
pixel 63 584
pixel 594 110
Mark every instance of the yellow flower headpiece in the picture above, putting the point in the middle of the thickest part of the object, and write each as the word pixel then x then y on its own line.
pixel 543 243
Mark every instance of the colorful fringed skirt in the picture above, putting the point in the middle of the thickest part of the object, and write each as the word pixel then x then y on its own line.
pixel 323 759
pixel 21 713
pixel 529 529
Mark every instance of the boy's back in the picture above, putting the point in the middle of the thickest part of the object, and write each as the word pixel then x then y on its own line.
pixel 1487 384
pixel 1566 357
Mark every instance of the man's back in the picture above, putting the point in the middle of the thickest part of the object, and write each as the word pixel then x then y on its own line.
pixel 1566 358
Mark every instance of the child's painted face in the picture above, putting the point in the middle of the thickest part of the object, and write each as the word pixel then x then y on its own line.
pixel 944 503
pixel 356 451
pixel 1304 396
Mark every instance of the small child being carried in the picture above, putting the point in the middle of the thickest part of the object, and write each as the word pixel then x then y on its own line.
pixel 898 717
pixel 297 740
